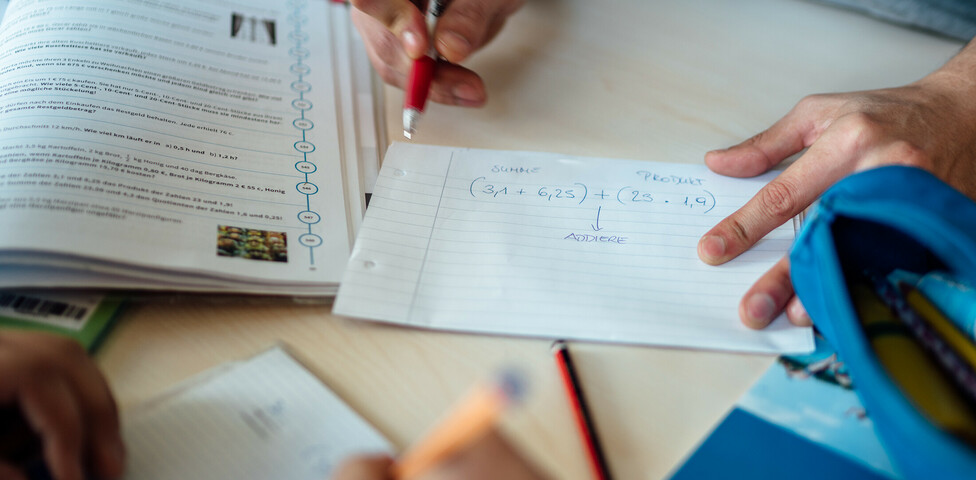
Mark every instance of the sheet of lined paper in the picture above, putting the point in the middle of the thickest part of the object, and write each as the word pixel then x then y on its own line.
pixel 263 418
pixel 547 245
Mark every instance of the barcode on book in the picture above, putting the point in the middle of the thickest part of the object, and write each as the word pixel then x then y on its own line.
pixel 40 307
pixel 58 311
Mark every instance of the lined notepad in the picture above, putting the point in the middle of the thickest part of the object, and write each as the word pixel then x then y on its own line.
pixel 266 417
pixel 548 245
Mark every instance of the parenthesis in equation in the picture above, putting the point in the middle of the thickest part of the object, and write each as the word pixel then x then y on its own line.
pixel 713 200
pixel 471 187
pixel 584 192
pixel 621 191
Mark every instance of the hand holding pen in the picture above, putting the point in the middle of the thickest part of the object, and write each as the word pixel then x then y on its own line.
pixel 421 73
pixel 395 34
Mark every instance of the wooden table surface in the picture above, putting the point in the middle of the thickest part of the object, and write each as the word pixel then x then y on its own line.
pixel 664 80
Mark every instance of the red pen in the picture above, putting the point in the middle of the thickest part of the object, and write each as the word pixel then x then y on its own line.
pixel 594 453
pixel 421 74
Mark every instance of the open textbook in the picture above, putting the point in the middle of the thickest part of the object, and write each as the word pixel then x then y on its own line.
pixel 265 417
pixel 216 145
pixel 558 246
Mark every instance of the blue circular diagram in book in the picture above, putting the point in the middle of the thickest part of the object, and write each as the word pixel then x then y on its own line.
pixel 309 217
pixel 303 124
pixel 301 104
pixel 306 167
pixel 307 188
pixel 304 147
pixel 310 240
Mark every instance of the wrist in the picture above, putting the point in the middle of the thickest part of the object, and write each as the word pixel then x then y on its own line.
pixel 958 74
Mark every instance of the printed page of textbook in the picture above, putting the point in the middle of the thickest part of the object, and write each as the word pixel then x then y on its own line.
pixel 197 137
pixel 558 246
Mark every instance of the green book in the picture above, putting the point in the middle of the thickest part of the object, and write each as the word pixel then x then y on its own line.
pixel 83 317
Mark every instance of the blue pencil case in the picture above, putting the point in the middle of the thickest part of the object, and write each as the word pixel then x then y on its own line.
pixel 887 218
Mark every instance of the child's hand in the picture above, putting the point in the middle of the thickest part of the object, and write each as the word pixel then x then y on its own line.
pixel 65 400
pixel 490 458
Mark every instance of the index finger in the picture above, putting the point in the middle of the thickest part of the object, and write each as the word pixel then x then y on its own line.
pixel 776 203
pixel 798 129
pixel 467 25
pixel 101 417
pixel 51 409
pixel 403 19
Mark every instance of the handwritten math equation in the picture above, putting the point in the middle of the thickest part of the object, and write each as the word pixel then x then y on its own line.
pixel 656 189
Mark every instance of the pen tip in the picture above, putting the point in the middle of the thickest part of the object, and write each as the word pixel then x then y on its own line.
pixel 410 118
pixel 558 345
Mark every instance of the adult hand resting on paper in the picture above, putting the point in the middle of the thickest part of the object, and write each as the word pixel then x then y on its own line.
pixel 395 34
pixel 51 393
pixel 490 458
pixel 929 124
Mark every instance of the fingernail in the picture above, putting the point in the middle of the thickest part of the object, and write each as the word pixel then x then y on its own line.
pixel 411 43
pixel 711 248
pixel 798 314
pixel 760 308
pixel 456 44
pixel 467 94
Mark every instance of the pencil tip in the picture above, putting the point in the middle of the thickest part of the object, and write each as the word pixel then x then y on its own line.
pixel 558 345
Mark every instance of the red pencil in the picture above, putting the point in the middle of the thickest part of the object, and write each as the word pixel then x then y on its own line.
pixel 421 74
pixel 598 463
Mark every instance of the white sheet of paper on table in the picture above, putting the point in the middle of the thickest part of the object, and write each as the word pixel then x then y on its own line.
pixel 548 245
pixel 265 417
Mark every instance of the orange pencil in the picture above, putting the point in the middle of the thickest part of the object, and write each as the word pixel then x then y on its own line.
pixel 470 420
